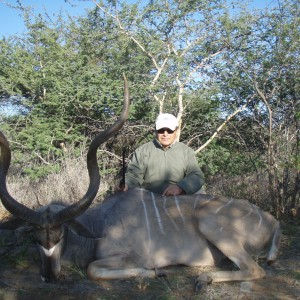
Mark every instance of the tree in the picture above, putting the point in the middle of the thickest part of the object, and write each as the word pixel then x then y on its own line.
pixel 230 76
pixel 266 70
pixel 182 39
pixel 63 89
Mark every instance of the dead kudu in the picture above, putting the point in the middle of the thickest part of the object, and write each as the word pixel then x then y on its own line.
pixel 137 233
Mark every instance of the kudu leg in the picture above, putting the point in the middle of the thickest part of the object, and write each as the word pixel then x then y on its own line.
pixel 274 250
pixel 249 270
pixel 116 268
pixel 227 241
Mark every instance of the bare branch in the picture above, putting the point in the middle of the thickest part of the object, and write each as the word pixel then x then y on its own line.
pixel 222 126
pixel 202 64
pixel 111 154
pixel 138 43
pixel 41 158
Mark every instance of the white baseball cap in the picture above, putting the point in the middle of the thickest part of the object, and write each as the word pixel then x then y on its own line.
pixel 166 121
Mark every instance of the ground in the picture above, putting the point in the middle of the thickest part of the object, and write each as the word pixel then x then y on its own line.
pixel 20 280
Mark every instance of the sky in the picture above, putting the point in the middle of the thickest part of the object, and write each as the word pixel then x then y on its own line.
pixel 12 23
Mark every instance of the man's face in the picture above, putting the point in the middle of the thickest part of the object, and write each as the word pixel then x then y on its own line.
pixel 165 136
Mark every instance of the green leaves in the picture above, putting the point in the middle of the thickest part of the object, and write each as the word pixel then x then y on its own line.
pixel 202 60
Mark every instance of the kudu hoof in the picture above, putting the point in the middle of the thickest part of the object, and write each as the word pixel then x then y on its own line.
pixel 160 273
pixel 201 283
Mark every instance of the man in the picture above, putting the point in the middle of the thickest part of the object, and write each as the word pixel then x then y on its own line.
pixel 164 166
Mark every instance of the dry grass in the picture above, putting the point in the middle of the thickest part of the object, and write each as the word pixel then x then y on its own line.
pixel 251 187
pixel 4 214
pixel 67 186
pixel 71 183
pixel 280 283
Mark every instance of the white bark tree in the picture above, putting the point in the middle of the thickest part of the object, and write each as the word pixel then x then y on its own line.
pixel 183 39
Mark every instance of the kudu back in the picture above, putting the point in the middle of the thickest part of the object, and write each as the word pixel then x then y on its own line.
pixel 136 233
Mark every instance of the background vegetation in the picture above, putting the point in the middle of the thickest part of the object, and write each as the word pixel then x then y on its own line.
pixel 230 75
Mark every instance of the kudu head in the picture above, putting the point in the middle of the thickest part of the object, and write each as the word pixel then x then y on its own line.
pixel 48 222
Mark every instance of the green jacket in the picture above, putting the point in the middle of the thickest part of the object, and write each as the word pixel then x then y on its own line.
pixel 154 168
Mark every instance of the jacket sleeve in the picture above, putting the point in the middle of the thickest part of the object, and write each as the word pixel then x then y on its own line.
pixel 194 179
pixel 134 176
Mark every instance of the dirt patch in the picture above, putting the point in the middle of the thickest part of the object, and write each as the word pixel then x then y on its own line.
pixel 20 280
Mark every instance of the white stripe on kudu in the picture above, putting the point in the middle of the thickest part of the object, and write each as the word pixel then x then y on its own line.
pixel 167 213
pixel 227 204
pixel 146 215
pixel 159 221
pixel 259 214
pixel 199 198
pixel 178 208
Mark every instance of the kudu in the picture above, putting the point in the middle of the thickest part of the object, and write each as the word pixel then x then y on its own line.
pixel 136 233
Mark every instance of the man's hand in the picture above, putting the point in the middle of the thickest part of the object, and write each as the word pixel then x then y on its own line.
pixel 173 190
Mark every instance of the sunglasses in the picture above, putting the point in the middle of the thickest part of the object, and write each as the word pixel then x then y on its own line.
pixel 162 131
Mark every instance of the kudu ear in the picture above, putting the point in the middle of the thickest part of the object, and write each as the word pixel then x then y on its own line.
pixel 80 229
pixel 12 224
